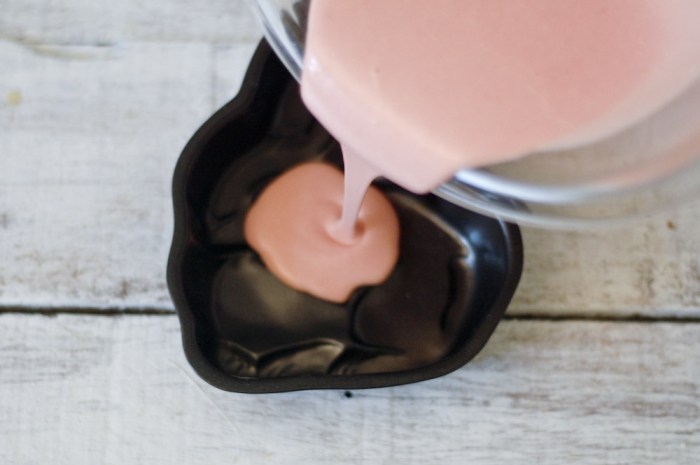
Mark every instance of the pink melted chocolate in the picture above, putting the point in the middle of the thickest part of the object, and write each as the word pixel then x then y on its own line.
pixel 421 89
pixel 296 227
pixel 416 90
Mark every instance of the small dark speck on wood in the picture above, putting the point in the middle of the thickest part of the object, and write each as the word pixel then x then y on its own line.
pixel 123 289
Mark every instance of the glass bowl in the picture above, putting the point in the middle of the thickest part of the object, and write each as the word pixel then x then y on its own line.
pixel 653 164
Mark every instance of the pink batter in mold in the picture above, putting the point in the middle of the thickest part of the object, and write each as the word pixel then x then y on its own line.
pixel 295 225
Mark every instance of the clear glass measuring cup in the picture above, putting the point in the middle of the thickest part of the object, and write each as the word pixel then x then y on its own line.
pixel 654 164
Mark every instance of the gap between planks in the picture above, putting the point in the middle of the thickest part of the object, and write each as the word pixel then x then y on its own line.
pixel 532 316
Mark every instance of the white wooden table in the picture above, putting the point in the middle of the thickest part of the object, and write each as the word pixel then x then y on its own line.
pixel 598 361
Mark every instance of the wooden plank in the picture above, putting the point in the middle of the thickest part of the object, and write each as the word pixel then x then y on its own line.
pixel 649 267
pixel 87 159
pixel 98 390
pixel 90 22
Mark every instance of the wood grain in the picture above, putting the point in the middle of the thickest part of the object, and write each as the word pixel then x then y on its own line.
pixel 90 22
pixel 113 390
pixel 650 267
pixel 86 164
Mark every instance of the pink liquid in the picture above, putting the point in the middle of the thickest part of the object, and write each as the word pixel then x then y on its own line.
pixel 421 89
pixel 416 90
pixel 358 177
pixel 295 225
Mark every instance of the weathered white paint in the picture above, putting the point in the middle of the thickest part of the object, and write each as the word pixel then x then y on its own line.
pixel 649 267
pixel 89 22
pixel 86 162
pixel 114 390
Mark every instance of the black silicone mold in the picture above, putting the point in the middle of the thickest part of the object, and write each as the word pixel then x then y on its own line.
pixel 245 331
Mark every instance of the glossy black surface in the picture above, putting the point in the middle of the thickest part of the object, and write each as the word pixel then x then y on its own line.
pixel 245 331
